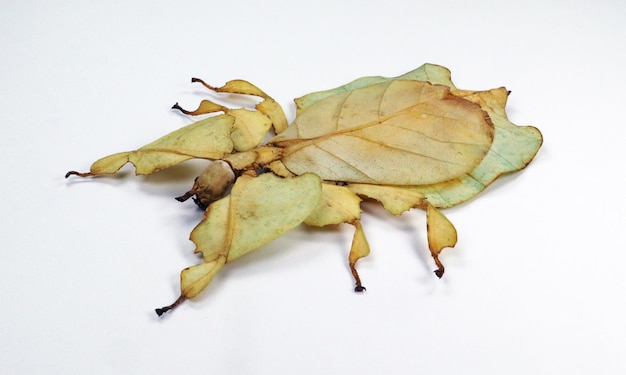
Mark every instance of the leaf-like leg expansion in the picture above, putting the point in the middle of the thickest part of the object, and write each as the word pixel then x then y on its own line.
pixel 205 139
pixel 441 234
pixel 360 248
pixel 249 127
pixel 258 210
pixel 206 107
pixel 106 165
pixel 194 280
pixel 337 205
pixel 268 106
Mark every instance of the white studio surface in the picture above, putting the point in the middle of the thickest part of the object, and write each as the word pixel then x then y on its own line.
pixel 536 282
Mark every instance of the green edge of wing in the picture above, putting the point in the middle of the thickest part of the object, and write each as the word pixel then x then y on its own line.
pixel 514 147
pixel 434 74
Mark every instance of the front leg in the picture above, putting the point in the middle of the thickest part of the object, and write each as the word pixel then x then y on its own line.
pixel 248 129
pixel 257 211
pixel 268 106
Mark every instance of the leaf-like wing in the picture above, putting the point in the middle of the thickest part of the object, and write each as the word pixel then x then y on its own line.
pixel 399 132
pixel 432 73
pixel 513 148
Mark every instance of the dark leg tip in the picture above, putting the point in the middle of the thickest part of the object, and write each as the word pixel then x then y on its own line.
pixel 79 174
pixel 359 289
pixel 165 309
pixel 160 312
pixel 439 273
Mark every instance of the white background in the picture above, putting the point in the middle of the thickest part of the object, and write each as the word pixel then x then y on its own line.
pixel 535 285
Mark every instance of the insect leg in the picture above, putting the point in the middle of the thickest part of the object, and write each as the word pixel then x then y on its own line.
pixel 162 310
pixel 194 280
pixel 441 234
pixel 268 106
pixel 206 107
pixel 359 249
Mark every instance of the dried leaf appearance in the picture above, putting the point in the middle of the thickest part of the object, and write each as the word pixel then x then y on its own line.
pixel 413 141
pixel 367 135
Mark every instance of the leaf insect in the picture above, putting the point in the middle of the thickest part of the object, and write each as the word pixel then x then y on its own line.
pixel 413 141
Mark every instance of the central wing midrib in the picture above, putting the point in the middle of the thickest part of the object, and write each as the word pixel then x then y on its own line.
pixel 296 144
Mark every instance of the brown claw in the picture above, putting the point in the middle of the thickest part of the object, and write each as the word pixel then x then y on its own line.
pixel 179 108
pixel 440 268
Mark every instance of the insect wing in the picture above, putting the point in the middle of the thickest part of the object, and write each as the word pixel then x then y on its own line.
pixel 399 132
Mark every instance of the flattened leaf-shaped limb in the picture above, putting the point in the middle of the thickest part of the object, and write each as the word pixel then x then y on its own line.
pixel 360 248
pixel 249 127
pixel 341 204
pixel 440 231
pixel 212 138
pixel 441 234
pixel 268 106
pixel 205 139
pixel 337 205
pixel 258 210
